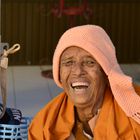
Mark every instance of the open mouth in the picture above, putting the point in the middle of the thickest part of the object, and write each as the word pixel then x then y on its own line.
pixel 79 85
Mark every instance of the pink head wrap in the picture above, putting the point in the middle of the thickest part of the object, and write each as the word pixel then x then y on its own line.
pixel 95 40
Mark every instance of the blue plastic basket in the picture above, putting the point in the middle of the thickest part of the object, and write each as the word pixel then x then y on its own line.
pixel 15 132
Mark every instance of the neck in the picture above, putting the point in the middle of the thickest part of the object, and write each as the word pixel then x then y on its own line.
pixel 85 124
pixel 87 112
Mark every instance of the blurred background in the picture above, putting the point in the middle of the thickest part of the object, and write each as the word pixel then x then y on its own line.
pixel 38 24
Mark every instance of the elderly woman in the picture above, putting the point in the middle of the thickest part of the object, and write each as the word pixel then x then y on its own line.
pixel 99 101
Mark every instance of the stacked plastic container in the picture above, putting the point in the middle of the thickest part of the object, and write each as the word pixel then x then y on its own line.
pixel 15 132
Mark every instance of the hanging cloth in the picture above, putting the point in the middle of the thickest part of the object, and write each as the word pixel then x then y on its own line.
pixel 3 68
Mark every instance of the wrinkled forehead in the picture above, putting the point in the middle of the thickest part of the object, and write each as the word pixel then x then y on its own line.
pixel 74 51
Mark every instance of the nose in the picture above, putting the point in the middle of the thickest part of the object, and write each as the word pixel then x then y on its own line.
pixel 78 69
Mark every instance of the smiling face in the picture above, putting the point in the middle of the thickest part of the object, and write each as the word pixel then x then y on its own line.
pixel 82 77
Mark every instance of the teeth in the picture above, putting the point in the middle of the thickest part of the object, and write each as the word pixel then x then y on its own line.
pixel 79 84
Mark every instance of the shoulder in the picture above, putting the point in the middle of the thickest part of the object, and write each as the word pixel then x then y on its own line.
pixel 50 106
pixel 40 118
pixel 37 125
